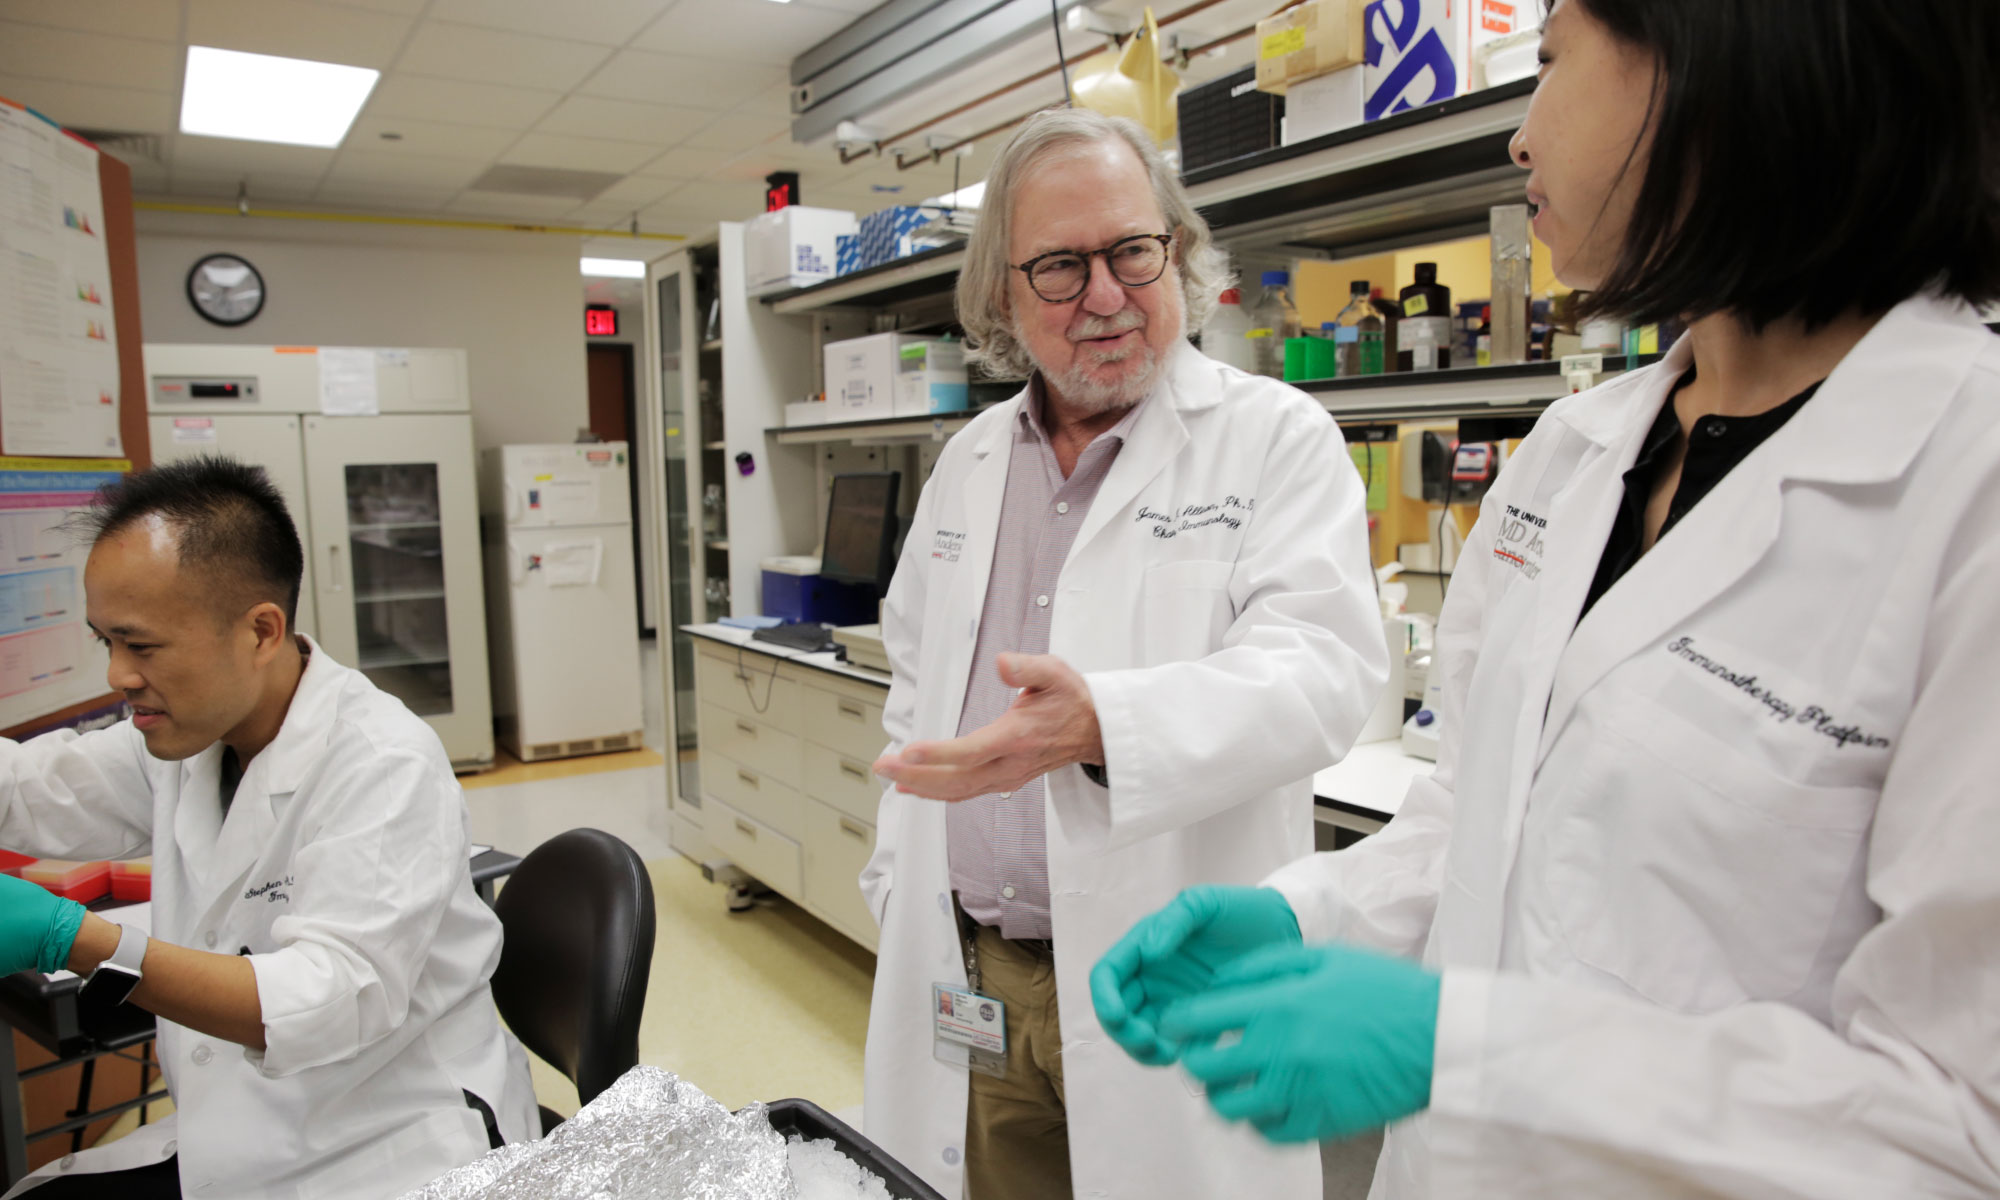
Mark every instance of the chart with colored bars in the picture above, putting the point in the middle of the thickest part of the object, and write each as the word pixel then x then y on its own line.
pixel 58 340
pixel 48 658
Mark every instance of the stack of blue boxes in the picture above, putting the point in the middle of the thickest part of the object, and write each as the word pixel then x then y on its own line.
pixel 846 254
pixel 885 235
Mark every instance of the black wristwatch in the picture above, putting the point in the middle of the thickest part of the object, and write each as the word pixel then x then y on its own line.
pixel 112 982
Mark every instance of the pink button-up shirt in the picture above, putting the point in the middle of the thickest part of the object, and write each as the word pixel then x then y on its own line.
pixel 998 842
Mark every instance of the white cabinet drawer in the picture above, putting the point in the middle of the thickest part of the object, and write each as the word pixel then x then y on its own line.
pixel 756 847
pixel 751 791
pixel 752 691
pixel 844 723
pixel 752 742
pixel 847 784
pixel 836 847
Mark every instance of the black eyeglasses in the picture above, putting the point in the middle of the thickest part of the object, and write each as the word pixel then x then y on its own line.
pixel 1062 275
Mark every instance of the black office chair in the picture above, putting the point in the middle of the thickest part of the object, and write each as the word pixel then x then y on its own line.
pixel 571 982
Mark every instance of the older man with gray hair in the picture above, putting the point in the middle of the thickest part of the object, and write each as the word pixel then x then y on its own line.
pixel 1133 616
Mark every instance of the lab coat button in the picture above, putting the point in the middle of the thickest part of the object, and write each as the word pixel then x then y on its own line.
pixel 167 1151
pixel 944 903
pixel 209 937
pixel 951 1156
pixel 1008 891
pixel 1041 602
pixel 1006 795
pixel 201 1055
pixel 68 1161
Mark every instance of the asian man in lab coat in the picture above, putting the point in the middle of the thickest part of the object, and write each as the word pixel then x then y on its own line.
pixel 318 959
pixel 1133 616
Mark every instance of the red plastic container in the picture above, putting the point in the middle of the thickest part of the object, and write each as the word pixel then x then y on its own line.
pixel 132 880
pixel 11 863
pixel 78 881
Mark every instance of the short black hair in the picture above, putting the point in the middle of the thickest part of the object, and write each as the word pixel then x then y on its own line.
pixel 1811 157
pixel 229 522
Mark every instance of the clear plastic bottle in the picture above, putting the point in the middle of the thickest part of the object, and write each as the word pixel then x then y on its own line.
pixel 1223 338
pixel 1347 329
pixel 1273 319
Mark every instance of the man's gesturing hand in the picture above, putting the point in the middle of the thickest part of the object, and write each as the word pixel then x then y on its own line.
pixel 1051 724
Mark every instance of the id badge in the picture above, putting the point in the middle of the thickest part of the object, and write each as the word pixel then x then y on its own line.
pixel 969 1029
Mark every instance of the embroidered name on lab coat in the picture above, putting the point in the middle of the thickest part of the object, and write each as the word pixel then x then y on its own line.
pixel 946 545
pixel 1228 513
pixel 1812 716
pixel 1520 543
pixel 270 890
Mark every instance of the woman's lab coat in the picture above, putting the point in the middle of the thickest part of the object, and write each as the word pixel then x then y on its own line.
pixel 1711 874
pixel 1219 604
pixel 342 871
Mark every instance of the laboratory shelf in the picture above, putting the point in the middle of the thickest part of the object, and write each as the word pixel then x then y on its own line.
pixel 387 525
pixel 927 273
pixel 712 344
pixel 398 656
pixel 1517 390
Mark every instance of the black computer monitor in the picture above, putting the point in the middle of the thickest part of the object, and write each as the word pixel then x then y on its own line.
pixel 861 530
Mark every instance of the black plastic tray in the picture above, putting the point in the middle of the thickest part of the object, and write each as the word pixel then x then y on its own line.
pixel 810 1121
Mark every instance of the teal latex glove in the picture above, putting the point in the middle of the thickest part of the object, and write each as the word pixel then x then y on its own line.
pixel 36 927
pixel 1335 1041
pixel 1175 953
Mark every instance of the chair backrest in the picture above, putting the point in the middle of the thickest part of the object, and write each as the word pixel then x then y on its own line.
pixel 578 914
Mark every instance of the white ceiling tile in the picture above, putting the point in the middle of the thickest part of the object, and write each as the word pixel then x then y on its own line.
pixel 655 124
pixel 636 191
pixel 737 131
pixel 685 162
pixel 529 208
pixel 298 29
pixel 607 22
pixel 460 102
pixel 489 56
pixel 743 30
pixel 404 8
pixel 678 79
pixel 704 195
pixel 429 138
pixel 366 167
pixel 129 18
pixel 577 153
pixel 91 58
pixel 82 106
pixel 851 9
pixel 383 197
pixel 262 189
pixel 771 102
pixel 227 156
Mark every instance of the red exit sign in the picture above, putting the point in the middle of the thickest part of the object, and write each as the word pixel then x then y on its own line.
pixel 599 321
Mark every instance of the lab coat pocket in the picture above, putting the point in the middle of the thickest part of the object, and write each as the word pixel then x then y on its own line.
pixel 1186 610
pixel 1692 872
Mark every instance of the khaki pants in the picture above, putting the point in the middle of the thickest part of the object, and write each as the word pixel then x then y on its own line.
pixel 1017 1129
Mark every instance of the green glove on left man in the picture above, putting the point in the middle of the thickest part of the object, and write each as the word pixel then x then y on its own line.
pixel 37 927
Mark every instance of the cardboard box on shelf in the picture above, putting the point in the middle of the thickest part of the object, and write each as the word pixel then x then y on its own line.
pixel 1309 40
pixel 792 247
pixel 861 376
pixel 930 378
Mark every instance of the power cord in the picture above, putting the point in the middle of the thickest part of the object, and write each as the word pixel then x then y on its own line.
pixel 743 677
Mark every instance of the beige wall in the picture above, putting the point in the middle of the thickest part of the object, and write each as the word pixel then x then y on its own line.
pixel 512 301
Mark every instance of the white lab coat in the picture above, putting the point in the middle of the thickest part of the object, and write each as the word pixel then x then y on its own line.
pixel 343 868
pixel 1710 874
pixel 1227 663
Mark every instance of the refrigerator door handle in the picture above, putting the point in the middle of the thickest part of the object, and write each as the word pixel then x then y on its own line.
pixel 513 504
pixel 334 581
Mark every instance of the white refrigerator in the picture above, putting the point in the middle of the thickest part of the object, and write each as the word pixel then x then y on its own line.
pixel 563 614
pixel 384 500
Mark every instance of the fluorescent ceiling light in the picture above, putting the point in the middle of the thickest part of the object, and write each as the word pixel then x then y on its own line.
pixel 617 268
pixel 262 98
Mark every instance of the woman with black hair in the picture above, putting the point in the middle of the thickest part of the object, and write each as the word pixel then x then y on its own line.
pixel 1701 898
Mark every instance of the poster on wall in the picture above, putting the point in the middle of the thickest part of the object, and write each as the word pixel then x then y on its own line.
pixel 49 659
pixel 58 343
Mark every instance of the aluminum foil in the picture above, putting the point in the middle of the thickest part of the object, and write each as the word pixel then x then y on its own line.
pixel 650 1135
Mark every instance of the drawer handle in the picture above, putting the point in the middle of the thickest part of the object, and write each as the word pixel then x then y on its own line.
pixel 747 829
pixel 746 727
pixel 853 830
pixel 848 768
pixel 850 708
pixel 748 778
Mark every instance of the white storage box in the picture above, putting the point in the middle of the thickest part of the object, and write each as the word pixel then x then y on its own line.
pixel 861 376
pixel 1324 104
pixel 804 412
pixel 792 247
pixel 930 378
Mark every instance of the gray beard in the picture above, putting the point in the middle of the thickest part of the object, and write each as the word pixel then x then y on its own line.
pixel 1083 396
